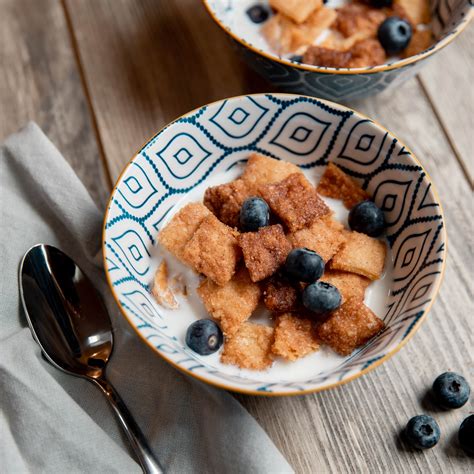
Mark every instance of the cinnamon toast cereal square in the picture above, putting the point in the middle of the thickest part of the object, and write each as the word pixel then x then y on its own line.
pixel 286 36
pixel 361 53
pixel 262 170
pixel 264 251
pixel 350 285
pixel 338 185
pixel 233 303
pixel 326 56
pixel 360 254
pixel 295 201
pixel 177 233
pixel 278 33
pixel 213 250
pixel 357 18
pixel 225 201
pixel 250 347
pixel 350 326
pixel 418 11
pixel 324 237
pixel 367 52
pixel 336 40
pixel 421 40
pixel 161 290
pixel 295 337
pixel 297 10
pixel 305 33
pixel 280 295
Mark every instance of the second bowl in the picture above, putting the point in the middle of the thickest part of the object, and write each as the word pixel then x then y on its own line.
pixel 448 19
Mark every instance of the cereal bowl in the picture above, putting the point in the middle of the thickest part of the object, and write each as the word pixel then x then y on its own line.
pixel 449 18
pixel 209 146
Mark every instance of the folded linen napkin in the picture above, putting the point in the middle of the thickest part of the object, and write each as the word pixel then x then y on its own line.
pixel 51 422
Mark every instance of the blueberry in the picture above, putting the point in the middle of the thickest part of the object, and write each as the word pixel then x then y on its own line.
pixel 394 34
pixel 466 435
pixel 304 265
pixel 422 432
pixel 258 13
pixel 204 337
pixel 367 218
pixel 321 297
pixel 451 390
pixel 254 214
pixel 381 3
pixel 297 58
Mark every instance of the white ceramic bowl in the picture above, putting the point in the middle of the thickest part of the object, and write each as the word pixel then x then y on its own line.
pixel 206 147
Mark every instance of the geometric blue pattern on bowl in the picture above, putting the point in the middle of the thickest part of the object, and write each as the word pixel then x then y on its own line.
pixel 449 18
pixel 309 133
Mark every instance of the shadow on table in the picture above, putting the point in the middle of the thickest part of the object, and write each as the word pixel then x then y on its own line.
pixel 429 404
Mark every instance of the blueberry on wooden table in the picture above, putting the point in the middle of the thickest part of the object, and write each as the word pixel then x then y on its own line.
pixel 367 218
pixel 254 214
pixel 422 432
pixel 258 13
pixel 466 435
pixel 394 35
pixel 204 337
pixel 451 390
pixel 321 297
pixel 304 265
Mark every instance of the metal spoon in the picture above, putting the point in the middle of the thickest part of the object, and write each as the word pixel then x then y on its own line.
pixel 69 321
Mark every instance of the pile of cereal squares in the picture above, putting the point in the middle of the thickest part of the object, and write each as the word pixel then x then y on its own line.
pixel 361 33
pixel 242 269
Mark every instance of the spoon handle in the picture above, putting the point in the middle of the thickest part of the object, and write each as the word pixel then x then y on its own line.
pixel 149 464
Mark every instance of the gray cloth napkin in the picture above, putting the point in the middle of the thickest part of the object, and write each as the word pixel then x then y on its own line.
pixel 51 422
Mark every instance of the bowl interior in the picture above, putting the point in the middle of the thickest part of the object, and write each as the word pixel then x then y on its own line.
pixel 448 17
pixel 207 147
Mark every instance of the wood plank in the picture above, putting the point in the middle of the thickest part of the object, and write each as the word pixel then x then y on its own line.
pixel 453 68
pixel 40 82
pixel 148 63
pixel 130 54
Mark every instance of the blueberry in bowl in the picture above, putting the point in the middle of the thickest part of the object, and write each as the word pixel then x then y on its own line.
pixel 381 3
pixel 367 218
pixel 254 214
pixel 204 337
pixel 321 297
pixel 394 34
pixel 304 265
pixel 258 13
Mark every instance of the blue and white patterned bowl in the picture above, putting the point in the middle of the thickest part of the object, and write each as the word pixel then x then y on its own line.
pixel 208 146
pixel 450 17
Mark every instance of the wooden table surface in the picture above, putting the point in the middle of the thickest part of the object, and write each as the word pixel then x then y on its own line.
pixel 101 76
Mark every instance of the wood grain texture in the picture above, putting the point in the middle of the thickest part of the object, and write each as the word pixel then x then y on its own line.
pixel 40 81
pixel 146 63
pixel 447 81
pixel 149 62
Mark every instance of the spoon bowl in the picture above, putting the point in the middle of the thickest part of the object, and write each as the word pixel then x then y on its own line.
pixel 57 296
pixel 69 321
